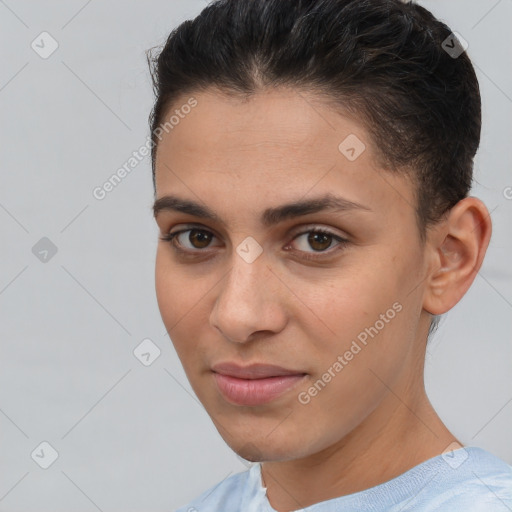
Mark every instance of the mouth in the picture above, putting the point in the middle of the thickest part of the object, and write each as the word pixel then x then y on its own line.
pixel 256 384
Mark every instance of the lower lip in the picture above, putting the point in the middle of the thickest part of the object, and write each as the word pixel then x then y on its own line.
pixel 255 391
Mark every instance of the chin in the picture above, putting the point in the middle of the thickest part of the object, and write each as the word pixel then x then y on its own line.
pixel 264 450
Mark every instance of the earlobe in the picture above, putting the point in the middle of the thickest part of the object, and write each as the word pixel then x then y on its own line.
pixel 458 247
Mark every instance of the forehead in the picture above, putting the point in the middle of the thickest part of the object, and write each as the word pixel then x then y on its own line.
pixel 273 146
pixel 277 123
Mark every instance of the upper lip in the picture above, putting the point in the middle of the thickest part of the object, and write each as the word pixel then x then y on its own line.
pixel 253 371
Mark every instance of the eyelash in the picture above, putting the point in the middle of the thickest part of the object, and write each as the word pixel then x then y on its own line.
pixel 342 242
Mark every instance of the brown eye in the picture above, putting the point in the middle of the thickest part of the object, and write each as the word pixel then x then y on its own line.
pixel 319 241
pixel 199 238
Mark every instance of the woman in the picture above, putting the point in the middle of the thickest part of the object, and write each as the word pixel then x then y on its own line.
pixel 312 162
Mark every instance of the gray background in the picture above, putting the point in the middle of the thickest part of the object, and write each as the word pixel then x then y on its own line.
pixel 133 437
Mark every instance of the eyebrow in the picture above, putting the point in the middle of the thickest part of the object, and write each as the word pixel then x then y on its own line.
pixel 270 217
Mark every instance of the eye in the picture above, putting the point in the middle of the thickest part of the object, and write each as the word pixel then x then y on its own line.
pixel 199 239
pixel 319 240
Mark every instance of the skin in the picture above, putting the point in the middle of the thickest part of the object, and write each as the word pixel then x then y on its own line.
pixel 373 421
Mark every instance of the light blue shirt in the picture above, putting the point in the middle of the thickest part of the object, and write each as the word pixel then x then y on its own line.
pixel 468 479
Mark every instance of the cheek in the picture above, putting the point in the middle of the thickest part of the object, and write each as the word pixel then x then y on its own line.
pixel 183 301
pixel 351 302
pixel 175 288
pixel 362 314
pixel 346 383
pixel 166 292
pixel 174 295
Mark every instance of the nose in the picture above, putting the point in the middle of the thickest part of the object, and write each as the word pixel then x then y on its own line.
pixel 249 301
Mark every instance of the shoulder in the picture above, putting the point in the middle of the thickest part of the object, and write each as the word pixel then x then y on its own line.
pixel 470 480
pixel 227 494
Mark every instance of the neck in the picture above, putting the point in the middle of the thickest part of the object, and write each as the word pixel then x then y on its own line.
pixel 401 433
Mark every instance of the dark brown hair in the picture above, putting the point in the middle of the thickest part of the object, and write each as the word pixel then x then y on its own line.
pixel 382 60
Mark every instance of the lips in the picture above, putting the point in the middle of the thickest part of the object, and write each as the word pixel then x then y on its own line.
pixel 253 371
pixel 255 384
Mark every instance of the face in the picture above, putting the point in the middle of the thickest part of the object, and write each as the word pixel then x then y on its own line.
pixel 331 295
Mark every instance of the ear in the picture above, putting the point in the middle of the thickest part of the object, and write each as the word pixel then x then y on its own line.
pixel 457 248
